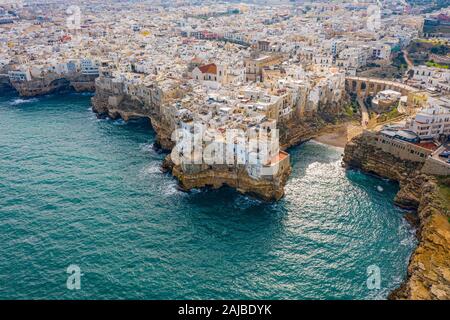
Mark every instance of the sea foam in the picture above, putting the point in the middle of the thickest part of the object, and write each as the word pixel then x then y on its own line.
pixel 19 101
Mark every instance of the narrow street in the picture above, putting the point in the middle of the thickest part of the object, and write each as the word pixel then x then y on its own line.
pixel 364 113
pixel 408 60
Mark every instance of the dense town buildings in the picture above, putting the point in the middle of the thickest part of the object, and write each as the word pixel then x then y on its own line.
pixel 207 70
pixel 229 86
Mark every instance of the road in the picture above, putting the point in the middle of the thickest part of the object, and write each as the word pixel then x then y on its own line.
pixel 408 60
pixel 364 113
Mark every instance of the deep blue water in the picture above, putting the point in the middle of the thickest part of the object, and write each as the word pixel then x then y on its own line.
pixel 78 190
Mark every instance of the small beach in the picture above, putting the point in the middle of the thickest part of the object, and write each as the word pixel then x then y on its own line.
pixel 338 136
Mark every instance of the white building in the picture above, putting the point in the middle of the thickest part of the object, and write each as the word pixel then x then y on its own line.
pixel 89 67
pixel 19 75
pixel 433 77
pixel 433 121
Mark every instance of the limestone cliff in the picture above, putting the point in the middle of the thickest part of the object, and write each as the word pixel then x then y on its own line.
pixel 429 267
pixel 300 129
pixel 127 109
pixel 265 189
pixel 53 83
pixel 296 131
pixel 5 85
pixel 113 102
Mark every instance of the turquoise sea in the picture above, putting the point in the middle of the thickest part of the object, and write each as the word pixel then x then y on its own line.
pixel 89 192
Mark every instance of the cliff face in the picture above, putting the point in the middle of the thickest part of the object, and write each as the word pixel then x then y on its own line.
pixel 47 85
pixel 128 109
pixel 268 190
pixel 164 133
pixel 5 85
pixel 83 83
pixel 300 129
pixel 429 267
pixel 292 132
pixel 295 131
pixel 361 154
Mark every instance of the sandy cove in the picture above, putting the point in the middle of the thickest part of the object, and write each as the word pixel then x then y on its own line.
pixel 338 135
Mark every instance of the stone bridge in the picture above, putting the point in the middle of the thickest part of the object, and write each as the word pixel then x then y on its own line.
pixel 364 87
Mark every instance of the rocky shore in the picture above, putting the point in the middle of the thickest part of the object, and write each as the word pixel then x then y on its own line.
pixel 267 190
pixel 428 274
pixel 47 85
pixel 292 133
pixel 128 109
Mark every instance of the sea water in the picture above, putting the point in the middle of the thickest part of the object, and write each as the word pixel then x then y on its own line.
pixel 75 190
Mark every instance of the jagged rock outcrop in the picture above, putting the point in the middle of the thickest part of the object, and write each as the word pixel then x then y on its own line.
pixel 428 274
pixel 238 178
pixel 429 266
pixel 128 109
pixel 53 83
pixel 114 102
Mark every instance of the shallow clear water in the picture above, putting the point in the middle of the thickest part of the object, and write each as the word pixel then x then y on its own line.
pixel 78 190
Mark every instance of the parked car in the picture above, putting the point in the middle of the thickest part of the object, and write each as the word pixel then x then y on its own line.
pixel 445 154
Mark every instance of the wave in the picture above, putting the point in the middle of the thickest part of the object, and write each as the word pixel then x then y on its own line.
pixel 19 101
pixel 147 147
pixel 119 122
pixel 171 189
pixel 152 169
pixel 243 202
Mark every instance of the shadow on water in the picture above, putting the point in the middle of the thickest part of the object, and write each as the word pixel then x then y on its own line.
pixel 7 90
pixel 225 212
pixel 228 203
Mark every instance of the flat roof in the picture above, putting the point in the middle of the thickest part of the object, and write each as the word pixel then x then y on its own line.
pixel 427 145
pixel 278 158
